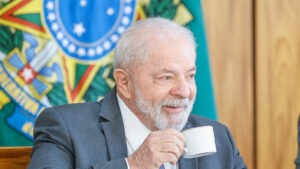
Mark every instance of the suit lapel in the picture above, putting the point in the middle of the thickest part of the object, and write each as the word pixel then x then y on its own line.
pixel 115 139
pixel 113 126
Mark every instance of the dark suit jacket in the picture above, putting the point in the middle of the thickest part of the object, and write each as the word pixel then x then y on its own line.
pixel 91 136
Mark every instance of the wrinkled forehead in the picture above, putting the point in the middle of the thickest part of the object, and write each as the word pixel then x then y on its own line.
pixel 177 56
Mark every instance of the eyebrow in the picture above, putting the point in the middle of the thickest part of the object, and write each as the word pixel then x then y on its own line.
pixel 192 69
pixel 170 71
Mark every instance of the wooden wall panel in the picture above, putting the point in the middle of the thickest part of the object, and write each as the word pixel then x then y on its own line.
pixel 229 33
pixel 278 82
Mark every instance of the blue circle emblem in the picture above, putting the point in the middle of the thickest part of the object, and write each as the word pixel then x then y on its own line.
pixel 88 30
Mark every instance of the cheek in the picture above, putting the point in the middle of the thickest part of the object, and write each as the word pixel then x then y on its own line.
pixel 193 92
pixel 152 94
pixel 157 95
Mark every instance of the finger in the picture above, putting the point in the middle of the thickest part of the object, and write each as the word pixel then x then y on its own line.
pixel 168 157
pixel 170 148
pixel 171 131
pixel 168 136
pixel 173 140
pixel 165 136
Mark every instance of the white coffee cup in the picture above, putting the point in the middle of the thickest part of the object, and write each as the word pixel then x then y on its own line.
pixel 200 141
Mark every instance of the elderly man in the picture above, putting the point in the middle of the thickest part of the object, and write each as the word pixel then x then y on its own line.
pixel 137 125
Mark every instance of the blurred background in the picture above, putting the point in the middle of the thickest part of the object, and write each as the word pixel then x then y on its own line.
pixel 254 48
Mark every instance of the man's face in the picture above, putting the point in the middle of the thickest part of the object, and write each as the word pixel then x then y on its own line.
pixel 164 84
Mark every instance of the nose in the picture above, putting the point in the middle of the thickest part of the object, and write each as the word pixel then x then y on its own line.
pixel 181 90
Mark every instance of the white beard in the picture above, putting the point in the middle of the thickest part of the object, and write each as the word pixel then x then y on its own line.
pixel 163 120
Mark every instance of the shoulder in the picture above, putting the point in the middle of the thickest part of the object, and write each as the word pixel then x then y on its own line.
pixel 71 112
pixel 68 121
pixel 77 108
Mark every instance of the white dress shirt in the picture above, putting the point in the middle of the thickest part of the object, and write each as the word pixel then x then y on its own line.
pixel 135 131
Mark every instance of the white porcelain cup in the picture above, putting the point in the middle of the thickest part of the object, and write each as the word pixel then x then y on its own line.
pixel 200 141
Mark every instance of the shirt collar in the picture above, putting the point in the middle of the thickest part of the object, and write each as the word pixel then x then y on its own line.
pixel 135 131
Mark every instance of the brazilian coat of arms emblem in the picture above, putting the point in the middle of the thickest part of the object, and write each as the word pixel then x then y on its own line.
pixel 55 52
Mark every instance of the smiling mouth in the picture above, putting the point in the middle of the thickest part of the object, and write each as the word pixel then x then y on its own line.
pixel 173 109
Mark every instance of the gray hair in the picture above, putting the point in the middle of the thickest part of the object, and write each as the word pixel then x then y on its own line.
pixel 133 46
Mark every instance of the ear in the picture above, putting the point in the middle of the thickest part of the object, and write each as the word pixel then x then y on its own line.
pixel 123 81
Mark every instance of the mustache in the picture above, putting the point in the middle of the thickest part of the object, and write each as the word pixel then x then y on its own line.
pixel 171 102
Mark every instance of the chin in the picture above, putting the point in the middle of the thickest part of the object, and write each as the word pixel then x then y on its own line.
pixel 177 126
pixel 178 120
pixel 175 122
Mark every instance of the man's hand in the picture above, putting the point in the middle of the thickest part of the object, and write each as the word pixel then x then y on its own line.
pixel 159 147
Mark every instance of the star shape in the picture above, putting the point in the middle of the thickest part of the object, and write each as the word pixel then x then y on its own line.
pixel 59 35
pixel 114 38
pixel 110 11
pixel 107 45
pixel 83 3
pixel 91 52
pixel 71 48
pixel 125 20
pixel 65 42
pixel 50 5
pixel 54 26
pixel 27 74
pixel 121 29
pixel 128 9
pixel 81 52
pixel 99 50
pixel 51 16
pixel 79 29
